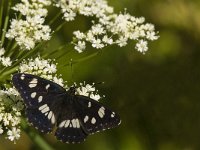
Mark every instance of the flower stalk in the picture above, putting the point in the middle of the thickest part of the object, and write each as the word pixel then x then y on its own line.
pixel 35 137
pixel 6 22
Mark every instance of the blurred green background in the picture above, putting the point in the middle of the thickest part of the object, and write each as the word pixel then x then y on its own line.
pixel 157 94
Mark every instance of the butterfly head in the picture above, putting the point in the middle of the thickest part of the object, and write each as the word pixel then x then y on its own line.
pixel 72 90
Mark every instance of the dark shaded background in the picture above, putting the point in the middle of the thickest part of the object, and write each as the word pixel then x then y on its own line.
pixel 156 94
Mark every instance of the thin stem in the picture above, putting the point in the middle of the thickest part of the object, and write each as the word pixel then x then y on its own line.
pixel 6 22
pixel 36 138
pixel 83 59
pixel 12 50
pixel 29 53
pixel 1 12
pixel 55 50
pixel 62 55
pixel 4 73
pixel 2 70
pixel 58 28
pixel 54 19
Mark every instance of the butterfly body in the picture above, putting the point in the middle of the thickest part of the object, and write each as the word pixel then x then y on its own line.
pixel 49 105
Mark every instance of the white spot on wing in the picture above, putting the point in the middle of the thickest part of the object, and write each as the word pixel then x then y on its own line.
pixel 22 76
pixel 43 106
pixel 113 114
pixel 40 99
pixel 89 104
pixel 77 123
pixel 86 119
pixel 62 124
pixel 47 86
pixel 33 95
pixel 46 109
pixel 33 83
pixel 70 125
pixel 101 112
pixel 73 123
pixel 53 119
pixel 93 121
pixel 50 115
pixel 67 123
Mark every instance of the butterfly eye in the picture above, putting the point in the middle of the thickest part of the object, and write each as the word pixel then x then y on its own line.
pixel 72 90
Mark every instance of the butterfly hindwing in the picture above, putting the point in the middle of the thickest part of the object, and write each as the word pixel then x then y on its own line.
pixel 69 128
pixel 95 116
pixel 70 135
pixel 39 120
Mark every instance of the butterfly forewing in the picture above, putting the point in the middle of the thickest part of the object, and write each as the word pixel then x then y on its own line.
pixel 40 96
pixel 35 90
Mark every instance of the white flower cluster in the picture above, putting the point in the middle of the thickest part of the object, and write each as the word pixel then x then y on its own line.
pixel 110 28
pixel 116 29
pixel 41 67
pixel 5 61
pixel 29 31
pixel 10 113
pixel 87 90
pixel 70 8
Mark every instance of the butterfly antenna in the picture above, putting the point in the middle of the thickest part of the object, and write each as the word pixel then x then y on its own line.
pixel 71 68
pixel 98 83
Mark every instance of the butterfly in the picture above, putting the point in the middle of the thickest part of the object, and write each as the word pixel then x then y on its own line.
pixel 49 105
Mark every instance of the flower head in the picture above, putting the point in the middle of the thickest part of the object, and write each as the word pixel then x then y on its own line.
pixel 31 30
pixel 5 61
pixel 116 29
pixel 41 67
pixel 87 90
pixel 13 134
pixel 11 106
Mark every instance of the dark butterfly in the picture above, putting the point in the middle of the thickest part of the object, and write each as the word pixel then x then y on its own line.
pixel 48 105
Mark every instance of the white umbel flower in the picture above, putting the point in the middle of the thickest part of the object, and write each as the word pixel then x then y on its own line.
pixel 13 134
pixel 11 106
pixel 5 61
pixel 87 90
pixel 80 46
pixel 41 67
pixel 119 28
pixel 70 8
pixel 141 46
pixel 31 30
pixel 28 32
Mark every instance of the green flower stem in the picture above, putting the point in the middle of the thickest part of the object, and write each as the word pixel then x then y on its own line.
pixel 46 55
pixel 28 53
pixel 63 54
pixel 36 138
pixel 55 18
pixel 58 28
pixel 82 59
pixel 6 22
pixel 1 12
pixel 10 47
pixel 6 74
